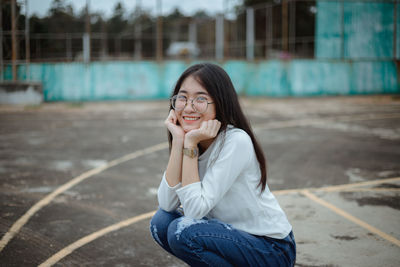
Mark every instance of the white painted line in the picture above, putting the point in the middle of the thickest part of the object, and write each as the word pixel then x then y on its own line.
pixel 89 238
pixel 310 122
pixel 350 217
pixel 397 190
pixel 347 186
pixel 46 200
pixel 342 187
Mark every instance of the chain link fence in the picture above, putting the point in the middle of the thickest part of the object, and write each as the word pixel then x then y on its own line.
pixel 275 30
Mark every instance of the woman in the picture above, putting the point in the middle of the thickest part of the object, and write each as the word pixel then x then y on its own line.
pixel 217 172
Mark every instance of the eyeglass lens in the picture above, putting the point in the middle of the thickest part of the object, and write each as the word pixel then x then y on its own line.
pixel 199 103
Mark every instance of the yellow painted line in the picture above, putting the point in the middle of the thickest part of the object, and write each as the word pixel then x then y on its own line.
pixel 89 238
pixel 46 200
pixel 351 218
pixel 287 191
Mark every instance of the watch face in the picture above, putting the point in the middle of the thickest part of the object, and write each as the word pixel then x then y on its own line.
pixel 191 152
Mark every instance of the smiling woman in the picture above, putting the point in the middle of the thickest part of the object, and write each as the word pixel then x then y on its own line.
pixel 200 109
pixel 217 173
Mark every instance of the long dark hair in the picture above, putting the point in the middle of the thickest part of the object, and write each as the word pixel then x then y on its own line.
pixel 228 111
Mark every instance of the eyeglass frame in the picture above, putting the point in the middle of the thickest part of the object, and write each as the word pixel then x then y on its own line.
pixel 191 100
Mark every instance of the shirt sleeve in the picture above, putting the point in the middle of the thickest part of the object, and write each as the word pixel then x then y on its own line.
pixel 167 198
pixel 199 198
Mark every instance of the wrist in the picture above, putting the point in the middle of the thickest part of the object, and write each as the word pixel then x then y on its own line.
pixel 178 141
pixel 189 144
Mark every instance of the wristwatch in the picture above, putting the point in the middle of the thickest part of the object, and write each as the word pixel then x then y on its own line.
pixel 191 152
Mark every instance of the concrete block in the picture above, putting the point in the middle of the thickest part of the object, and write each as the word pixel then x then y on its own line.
pixel 25 93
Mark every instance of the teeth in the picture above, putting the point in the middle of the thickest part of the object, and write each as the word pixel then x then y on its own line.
pixel 190 119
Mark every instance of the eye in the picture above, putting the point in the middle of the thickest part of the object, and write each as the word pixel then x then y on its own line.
pixel 201 99
pixel 181 98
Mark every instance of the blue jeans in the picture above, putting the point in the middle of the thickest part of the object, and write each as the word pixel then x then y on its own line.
pixel 213 243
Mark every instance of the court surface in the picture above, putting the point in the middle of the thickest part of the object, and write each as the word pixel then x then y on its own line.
pixel 79 181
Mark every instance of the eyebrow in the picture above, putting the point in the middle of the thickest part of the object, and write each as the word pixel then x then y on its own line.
pixel 196 93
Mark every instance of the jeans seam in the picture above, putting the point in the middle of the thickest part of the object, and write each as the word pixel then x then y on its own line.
pixel 190 244
pixel 280 253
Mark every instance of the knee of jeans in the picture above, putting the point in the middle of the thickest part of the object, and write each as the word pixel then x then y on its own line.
pixel 180 228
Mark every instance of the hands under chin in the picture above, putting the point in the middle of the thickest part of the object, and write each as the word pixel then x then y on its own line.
pixel 172 125
pixel 208 129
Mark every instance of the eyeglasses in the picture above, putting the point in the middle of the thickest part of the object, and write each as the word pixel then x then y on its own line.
pixel 199 104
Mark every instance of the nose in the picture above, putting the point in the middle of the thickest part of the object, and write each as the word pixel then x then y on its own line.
pixel 189 107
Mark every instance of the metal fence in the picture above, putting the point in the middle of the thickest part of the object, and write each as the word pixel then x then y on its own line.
pixel 284 30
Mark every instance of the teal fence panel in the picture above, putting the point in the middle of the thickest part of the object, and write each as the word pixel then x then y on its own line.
pixel 151 80
pixel 356 30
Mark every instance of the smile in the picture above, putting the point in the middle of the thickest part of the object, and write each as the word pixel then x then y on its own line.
pixel 191 118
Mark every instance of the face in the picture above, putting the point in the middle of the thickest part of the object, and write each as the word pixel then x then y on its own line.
pixel 189 118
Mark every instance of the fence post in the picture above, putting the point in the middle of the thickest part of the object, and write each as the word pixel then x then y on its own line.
pixel 268 28
pixel 138 32
pixel 342 30
pixel 159 52
pixel 193 35
pixel 14 40
pixel 250 33
pixel 193 32
pixel 395 29
pixel 1 41
pixel 219 37
pixel 68 46
pixel 27 42
pixel 86 47
pixel 292 27
pixel 86 36
pixel 285 25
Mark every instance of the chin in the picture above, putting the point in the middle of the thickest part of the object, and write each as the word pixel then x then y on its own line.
pixel 188 128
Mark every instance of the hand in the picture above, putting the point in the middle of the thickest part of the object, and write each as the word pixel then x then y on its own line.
pixel 171 124
pixel 208 129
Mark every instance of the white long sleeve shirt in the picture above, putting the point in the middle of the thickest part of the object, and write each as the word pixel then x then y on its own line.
pixel 229 175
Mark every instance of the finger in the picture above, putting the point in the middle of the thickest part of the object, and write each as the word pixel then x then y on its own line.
pixel 210 126
pixel 207 128
pixel 216 127
pixel 213 124
pixel 172 116
pixel 204 125
pixel 173 113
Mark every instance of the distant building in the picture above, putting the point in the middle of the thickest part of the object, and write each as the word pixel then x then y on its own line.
pixel 183 49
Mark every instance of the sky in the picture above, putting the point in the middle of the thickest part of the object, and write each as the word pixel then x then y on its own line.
pixel 106 7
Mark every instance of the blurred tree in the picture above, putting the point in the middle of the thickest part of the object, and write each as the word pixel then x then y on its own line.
pixel 201 14
pixel 176 26
pixel 60 7
pixel 117 23
pixel 61 18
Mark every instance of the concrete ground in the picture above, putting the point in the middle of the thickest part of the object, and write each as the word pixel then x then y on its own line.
pixel 79 181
